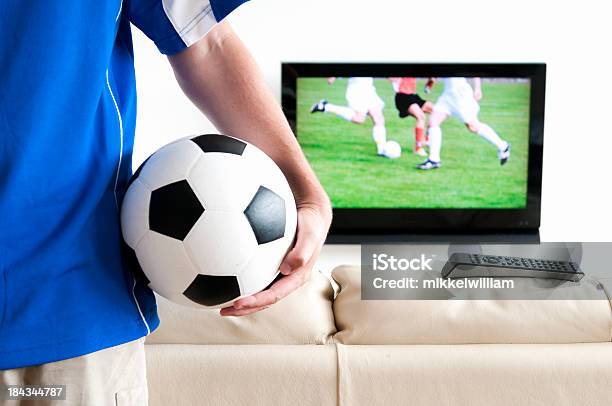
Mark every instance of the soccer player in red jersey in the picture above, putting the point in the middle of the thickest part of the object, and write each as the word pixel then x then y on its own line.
pixel 409 103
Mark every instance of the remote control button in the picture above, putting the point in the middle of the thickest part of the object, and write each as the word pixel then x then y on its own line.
pixel 491 260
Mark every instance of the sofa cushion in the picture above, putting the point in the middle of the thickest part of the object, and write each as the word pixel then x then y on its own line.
pixel 464 321
pixel 237 375
pixel 475 375
pixel 304 317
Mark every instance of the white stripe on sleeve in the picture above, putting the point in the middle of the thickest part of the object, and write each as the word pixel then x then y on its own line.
pixel 191 19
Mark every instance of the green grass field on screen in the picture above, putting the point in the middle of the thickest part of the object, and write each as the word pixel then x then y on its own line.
pixel 344 156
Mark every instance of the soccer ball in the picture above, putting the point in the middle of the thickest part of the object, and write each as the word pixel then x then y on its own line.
pixel 392 150
pixel 209 220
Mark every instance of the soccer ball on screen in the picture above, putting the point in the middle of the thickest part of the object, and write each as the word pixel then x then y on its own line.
pixel 392 150
pixel 209 219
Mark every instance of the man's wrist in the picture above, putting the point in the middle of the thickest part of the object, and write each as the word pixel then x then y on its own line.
pixel 312 195
pixel 319 203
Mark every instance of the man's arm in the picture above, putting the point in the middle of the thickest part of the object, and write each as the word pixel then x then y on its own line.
pixel 221 78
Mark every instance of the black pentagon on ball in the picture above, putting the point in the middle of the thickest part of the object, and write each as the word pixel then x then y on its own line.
pixel 267 216
pixel 136 174
pixel 174 209
pixel 219 143
pixel 131 260
pixel 213 290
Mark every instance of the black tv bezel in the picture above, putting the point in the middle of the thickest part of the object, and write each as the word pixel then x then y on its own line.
pixel 351 222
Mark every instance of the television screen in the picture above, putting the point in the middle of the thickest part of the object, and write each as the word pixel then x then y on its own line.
pixel 426 142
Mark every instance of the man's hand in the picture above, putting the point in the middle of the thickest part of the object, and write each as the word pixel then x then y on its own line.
pixel 313 223
pixel 331 80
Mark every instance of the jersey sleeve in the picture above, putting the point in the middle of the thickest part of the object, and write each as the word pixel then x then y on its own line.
pixel 177 24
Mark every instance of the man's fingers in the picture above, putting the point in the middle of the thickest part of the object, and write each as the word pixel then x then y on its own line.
pixel 301 253
pixel 277 291
pixel 232 311
pixel 274 293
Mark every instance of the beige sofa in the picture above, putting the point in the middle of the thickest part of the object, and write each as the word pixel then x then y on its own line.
pixel 323 345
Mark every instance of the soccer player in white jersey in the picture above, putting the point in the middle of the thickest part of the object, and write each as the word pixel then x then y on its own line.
pixel 460 100
pixel 363 101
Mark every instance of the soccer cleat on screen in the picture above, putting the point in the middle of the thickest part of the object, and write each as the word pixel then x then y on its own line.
pixel 428 165
pixel 420 151
pixel 504 155
pixel 318 107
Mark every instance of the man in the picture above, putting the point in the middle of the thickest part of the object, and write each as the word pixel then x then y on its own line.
pixel 461 101
pixel 70 312
pixel 363 101
pixel 409 103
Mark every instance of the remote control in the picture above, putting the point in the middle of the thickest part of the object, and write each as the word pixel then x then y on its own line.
pixel 461 265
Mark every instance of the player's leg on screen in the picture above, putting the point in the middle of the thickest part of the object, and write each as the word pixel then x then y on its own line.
pixel 359 117
pixel 419 129
pixel 435 140
pixel 347 113
pixel 489 134
pixel 379 131
pixel 427 109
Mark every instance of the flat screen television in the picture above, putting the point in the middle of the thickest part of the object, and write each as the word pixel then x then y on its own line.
pixel 422 149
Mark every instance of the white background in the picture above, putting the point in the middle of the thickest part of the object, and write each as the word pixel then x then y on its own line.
pixel 572 38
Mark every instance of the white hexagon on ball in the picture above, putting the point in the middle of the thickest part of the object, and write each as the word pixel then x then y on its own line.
pixel 221 242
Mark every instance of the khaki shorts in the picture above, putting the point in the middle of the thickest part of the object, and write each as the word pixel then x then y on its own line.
pixel 114 376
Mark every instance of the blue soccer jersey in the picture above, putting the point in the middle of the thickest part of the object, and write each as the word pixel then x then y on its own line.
pixel 67 118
